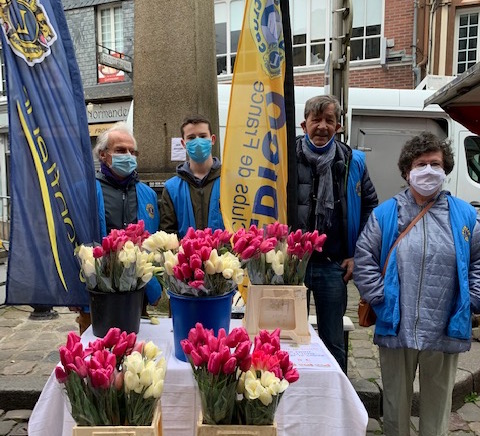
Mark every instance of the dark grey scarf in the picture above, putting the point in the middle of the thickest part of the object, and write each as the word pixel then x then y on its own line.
pixel 322 163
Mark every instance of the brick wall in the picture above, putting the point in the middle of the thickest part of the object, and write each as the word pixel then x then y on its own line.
pixel 399 24
pixel 399 28
pixel 395 77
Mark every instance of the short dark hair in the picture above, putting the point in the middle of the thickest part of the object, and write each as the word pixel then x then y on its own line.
pixel 318 104
pixel 425 142
pixel 195 119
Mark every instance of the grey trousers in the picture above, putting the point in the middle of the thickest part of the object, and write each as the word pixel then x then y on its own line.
pixel 437 379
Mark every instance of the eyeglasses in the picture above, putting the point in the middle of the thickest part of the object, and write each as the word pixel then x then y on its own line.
pixel 124 150
pixel 422 165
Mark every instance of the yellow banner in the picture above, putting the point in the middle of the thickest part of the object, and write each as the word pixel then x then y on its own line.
pixel 254 164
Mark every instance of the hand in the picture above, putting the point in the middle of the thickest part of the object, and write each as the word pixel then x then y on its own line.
pixel 348 265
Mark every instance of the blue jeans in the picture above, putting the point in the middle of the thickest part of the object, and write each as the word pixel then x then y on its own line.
pixel 325 280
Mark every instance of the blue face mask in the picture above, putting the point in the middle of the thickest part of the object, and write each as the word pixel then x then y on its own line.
pixel 319 150
pixel 199 149
pixel 123 164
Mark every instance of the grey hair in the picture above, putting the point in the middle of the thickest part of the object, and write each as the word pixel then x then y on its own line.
pixel 316 105
pixel 102 140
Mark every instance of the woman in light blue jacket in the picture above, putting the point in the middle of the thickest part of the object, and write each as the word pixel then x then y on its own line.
pixel 431 284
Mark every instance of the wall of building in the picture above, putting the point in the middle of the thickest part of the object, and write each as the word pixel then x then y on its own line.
pixel 81 23
pixel 398 69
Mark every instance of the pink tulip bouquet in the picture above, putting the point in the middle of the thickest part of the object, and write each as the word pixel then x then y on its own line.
pixel 237 386
pixel 273 256
pixel 263 385
pixel 203 265
pixel 216 361
pixel 114 381
pixel 119 264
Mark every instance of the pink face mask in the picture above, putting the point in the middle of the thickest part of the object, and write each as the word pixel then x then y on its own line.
pixel 426 181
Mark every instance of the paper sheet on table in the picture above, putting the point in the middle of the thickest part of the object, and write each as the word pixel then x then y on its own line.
pixel 312 356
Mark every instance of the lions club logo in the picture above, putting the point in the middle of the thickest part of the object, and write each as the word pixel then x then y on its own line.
pixel 150 210
pixel 466 233
pixel 358 188
pixel 267 32
pixel 27 29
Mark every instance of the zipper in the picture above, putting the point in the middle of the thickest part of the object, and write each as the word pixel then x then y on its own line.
pixel 124 195
pixel 422 267
pixel 202 208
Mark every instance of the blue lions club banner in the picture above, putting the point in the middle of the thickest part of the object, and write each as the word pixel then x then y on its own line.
pixel 53 200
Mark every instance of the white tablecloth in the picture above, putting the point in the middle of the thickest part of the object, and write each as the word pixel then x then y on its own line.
pixel 322 401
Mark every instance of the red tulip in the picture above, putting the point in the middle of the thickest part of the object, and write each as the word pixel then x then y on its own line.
pixel 186 345
pixel 242 350
pixel 292 376
pixel 229 366
pixel 66 356
pixel 97 252
pixel 72 339
pixel 197 359
pixel 214 363
pixel 245 364
pixel 112 337
pixel 60 374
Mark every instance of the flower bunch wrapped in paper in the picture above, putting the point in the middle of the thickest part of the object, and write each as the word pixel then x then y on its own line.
pixel 273 256
pixel 203 264
pixel 216 363
pixel 114 381
pixel 119 264
pixel 262 386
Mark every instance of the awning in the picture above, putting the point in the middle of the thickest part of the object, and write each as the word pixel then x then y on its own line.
pixel 460 99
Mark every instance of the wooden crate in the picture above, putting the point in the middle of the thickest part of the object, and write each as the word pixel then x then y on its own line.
pixel 235 430
pixel 152 430
pixel 278 306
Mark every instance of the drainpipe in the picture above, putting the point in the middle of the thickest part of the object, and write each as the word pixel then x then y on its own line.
pixel 416 70
pixel 426 26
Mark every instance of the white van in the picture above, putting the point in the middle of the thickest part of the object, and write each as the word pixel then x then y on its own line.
pixel 380 121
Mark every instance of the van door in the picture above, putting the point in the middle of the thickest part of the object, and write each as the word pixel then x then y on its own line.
pixel 468 163
pixel 382 138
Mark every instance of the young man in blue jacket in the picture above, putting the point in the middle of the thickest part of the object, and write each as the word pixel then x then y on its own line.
pixel 192 197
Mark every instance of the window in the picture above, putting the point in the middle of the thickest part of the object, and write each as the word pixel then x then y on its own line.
pixel 110 28
pixel 472 152
pixel 467 40
pixel 228 25
pixel 110 40
pixel 311 25
pixel 366 30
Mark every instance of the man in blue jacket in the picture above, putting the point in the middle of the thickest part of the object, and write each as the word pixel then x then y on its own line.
pixel 192 197
pixel 335 197
pixel 122 199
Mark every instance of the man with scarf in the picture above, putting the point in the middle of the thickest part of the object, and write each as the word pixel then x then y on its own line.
pixel 121 198
pixel 335 197
pixel 192 197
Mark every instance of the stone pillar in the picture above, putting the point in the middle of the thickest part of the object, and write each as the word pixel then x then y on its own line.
pixel 174 74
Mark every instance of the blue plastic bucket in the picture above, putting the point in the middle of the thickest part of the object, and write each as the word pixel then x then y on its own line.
pixel 213 312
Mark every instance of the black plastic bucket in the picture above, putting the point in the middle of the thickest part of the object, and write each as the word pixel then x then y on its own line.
pixel 115 309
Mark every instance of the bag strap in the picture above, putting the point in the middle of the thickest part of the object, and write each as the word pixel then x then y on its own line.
pixel 401 235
